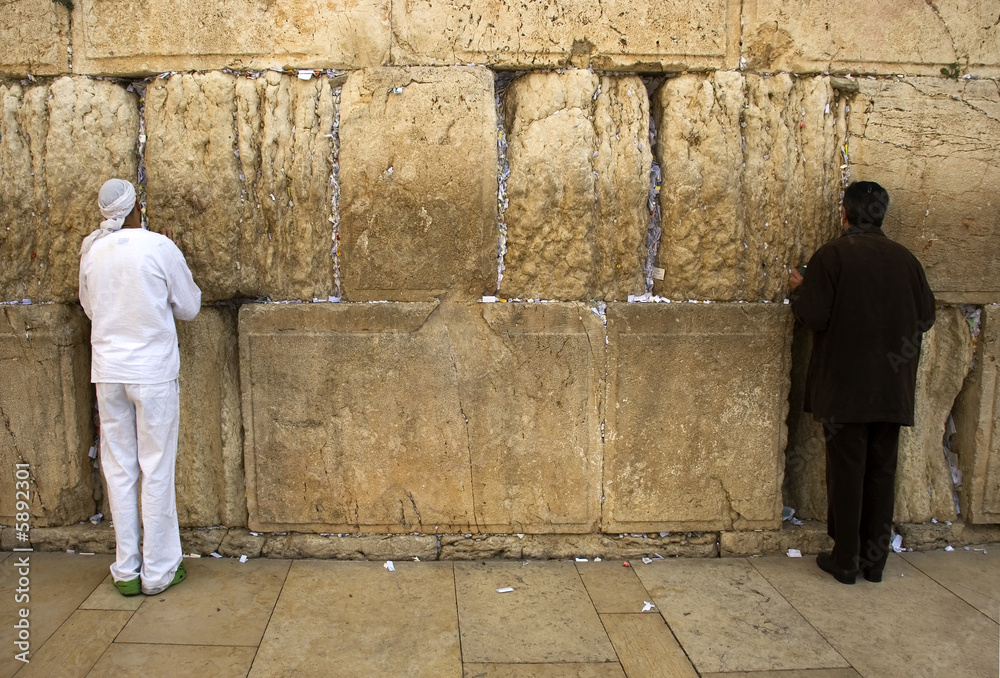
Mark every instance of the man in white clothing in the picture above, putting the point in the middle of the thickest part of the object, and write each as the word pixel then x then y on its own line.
pixel 133 283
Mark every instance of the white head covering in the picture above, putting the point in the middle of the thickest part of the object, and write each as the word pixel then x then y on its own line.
pixel 115 200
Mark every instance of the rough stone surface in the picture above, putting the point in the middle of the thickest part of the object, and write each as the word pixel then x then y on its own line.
pixel 202 541
pixel 418 167
pixel 871 37
pixel 35 35
pixel 355 547
pixel 804 487
pixel 977 419
pixel 809 538
pixel 931 142
pixel 82 538
pixel 240 169
pixel 238 542
pixel 579 160
pixel 209 475
pixel 927 536
pixel 185 35
pixel 46 406
pixel 413 417
pixel 547 546
pixel 924 486
pixel 750 181
pixel 632 36
pixel 696 418
pixel 59 142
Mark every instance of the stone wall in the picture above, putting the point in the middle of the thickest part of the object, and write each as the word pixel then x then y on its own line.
pixel 409 159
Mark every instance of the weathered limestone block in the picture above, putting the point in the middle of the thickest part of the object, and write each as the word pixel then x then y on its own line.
pixel 186 35
pixel 203 541
pixel 871 37
pixel 46 412
pixel 931 142
pixel 420 417
pixel 977 418
pixel 58 143
pixel 809 538
pixel 354 547
pixel 82 538
pixel 239 542
pixel 240 169
pixel 579 182
pixel 418 170
pixel 804 487
pixel 924 486
pixel 631 36
pixel 561 546
pixel 209 476
pixel 35 37
pixel 750 181
pixel 792 176
pixel 696 429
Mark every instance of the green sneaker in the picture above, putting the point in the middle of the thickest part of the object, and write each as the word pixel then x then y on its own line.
pixel 179 576
pixel 132 587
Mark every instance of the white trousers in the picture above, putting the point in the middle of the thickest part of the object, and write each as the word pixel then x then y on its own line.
pixel 139 438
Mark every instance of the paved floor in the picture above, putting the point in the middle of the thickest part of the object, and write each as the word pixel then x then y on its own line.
pixel 935 614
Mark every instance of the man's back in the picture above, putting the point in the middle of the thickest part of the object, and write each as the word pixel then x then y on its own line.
pixel 868 301
pixel 133 283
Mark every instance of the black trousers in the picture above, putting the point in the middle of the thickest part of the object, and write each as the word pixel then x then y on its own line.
pixel 860 490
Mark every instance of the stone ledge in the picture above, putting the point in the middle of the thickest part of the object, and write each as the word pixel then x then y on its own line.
pixel 809 538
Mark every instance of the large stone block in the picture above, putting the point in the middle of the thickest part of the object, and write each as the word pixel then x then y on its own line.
pixel 59 141
pixel 579 160
pixel 35 36
pixel 932 143
pixel 696 417
pixel 650 35
pixel 209 477
pixel 871 37
pixel 422 417
pixel 46 412
pixel 240 169
pixel 184 35
pixel 418 170
pixel 804 487
pixel 924 486
pixel 977 419
pixel 750 181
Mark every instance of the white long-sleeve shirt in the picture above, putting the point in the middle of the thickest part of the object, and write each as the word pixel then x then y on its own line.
pixel 133 283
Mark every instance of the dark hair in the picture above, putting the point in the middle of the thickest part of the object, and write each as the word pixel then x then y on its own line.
pixel 865 203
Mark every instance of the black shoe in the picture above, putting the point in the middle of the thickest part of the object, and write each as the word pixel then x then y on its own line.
pixel 825 563
pixel 873 577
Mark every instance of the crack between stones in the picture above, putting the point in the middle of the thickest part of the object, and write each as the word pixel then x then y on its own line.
pixel 468 435
pixel 955 98
pixel 944 24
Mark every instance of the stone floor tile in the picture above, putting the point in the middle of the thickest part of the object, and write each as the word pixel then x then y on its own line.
pixel 547 618
pixel 222 602
pixel 603 670
pixel 358 619
pixel 59 582
pixel 74 649
pixel 908 625
pixel 728 618
pixel 107 597
pixel 804 673
pixel 170 661
pixel 646 647
pixel 973 576
pixel 612 587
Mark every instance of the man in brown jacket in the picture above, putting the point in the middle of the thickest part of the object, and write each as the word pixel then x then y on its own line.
pixel 867 301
